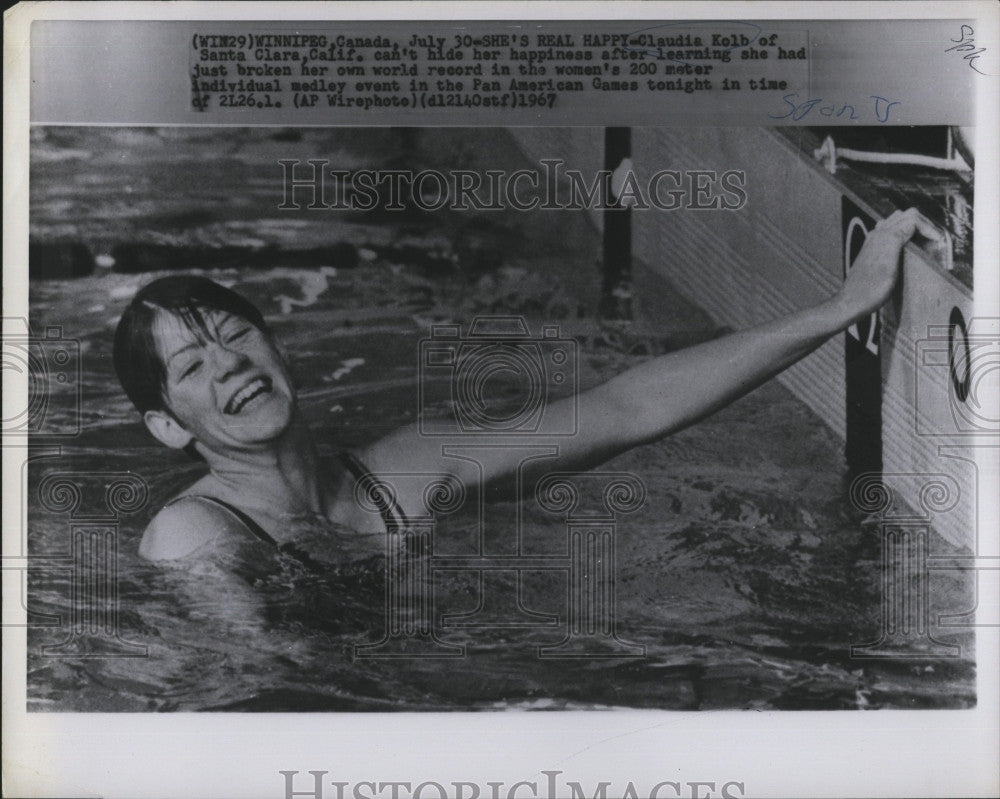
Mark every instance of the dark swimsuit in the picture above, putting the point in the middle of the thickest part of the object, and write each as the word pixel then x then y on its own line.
pixel 389 509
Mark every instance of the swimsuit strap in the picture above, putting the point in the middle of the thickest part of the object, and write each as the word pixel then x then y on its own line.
pixel 392 514
pixel 255 529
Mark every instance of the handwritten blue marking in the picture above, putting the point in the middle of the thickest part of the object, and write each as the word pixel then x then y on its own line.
pixel 800 110
pixel 656 53
pixel 967 44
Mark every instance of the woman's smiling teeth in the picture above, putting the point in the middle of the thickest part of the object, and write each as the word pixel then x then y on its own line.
pixel 256 387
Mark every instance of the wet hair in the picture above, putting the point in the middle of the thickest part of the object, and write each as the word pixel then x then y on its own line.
pixel 138 364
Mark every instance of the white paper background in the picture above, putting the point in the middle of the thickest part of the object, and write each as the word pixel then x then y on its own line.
pixel 884 753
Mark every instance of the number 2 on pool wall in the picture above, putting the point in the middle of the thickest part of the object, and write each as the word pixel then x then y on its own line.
pixel 854 239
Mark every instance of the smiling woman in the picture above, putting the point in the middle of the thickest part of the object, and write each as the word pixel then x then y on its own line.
pixel 198 361
pixel 224 379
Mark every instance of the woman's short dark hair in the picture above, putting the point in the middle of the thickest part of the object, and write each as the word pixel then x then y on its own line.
pixel 140 369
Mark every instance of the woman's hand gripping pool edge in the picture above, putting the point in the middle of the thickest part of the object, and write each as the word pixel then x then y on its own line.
pixel 673 391
pixel 875 271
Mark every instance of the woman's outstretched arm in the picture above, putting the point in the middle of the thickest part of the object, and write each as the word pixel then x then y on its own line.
pixel 670 392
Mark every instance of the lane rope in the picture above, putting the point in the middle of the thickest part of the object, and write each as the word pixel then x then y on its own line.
pixel 828 154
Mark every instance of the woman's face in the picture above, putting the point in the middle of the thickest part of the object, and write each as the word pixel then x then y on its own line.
pixel 227 385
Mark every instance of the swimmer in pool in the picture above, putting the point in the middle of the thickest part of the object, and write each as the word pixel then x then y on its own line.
pixel 200 365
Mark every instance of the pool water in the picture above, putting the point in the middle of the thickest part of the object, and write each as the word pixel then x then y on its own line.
pixel 745 577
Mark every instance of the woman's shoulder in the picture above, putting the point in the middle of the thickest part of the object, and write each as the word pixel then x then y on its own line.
pixel 184 525
pixel 346 510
